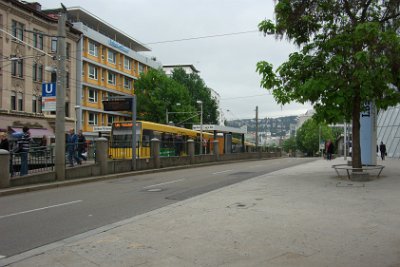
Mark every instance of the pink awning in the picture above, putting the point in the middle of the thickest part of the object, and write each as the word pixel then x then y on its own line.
pixel 36 133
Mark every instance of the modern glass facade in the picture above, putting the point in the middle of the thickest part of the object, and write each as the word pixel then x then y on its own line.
pixel 388 130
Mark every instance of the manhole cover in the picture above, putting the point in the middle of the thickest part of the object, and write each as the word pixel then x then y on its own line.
pixel 154 190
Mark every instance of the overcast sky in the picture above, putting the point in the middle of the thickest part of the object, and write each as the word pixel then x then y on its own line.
pixel 227 64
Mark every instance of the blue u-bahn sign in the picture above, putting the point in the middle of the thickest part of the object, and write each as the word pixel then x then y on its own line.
pixel 49 97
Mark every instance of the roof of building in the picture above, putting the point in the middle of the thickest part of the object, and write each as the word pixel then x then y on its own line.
pixel 192 67
pixel 34 7
pixel 79 14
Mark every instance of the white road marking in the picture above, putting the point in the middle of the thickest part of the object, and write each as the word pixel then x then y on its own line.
pixel 255 166
pixel 170 182
pixel 2 257
pixel 221 172
pixel 48 207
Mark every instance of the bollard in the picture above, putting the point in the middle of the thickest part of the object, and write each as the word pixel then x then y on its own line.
pixel 190 143
pixel 4 168
pixel 155 152
pixel 216 150
pixel 101 154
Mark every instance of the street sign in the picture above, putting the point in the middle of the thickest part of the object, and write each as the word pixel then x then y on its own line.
pixel 118 105
pixel 101 128
pixel 49 97
pixel 48 89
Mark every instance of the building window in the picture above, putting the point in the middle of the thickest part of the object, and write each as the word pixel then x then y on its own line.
pixel 20 102
pixel 93 73
pixel 34 104
pixel 111 56
pixel 66 109
pixel 93 49
pixel 17 68
pixel 92 96
pixel 53 77
pixel 127 83
pixel 141 68
pixel 37 74
pixel 110 119
pixel 68 50
pixel 93 120
pixel 40 73
pixel 54 44
pixel 40 104
pixel 111 78
pixel 38 39
pixel 17 29
pixel 67 79
pixel 13 101
pixel 127 63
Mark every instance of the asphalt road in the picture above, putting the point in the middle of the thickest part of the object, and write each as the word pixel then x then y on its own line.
pixel 34 219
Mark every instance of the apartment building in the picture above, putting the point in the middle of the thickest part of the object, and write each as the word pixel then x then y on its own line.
pixel 28 47
pixel 110 65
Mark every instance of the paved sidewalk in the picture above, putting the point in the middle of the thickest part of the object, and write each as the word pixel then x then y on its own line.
pixel 300 216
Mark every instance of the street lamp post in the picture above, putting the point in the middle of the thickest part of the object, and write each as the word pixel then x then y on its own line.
pixel 166 113
pixel 201 125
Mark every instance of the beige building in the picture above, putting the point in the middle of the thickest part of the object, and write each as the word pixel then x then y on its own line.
pixel 28 45
pixel 101 62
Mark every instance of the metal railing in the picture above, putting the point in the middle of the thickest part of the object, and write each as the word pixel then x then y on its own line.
pixel 42 158
pixel 38 159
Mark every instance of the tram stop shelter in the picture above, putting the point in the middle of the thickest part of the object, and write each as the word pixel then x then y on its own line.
pixel 232 137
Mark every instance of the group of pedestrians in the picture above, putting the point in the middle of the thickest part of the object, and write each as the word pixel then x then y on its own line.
pixel 76 147
pixel 18 143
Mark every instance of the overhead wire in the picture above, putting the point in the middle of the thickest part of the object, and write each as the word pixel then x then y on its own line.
pixel 74 81
pixel 202 37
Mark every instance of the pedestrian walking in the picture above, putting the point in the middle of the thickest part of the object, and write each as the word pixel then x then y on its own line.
pixel 72 142
pixel 81 146
pixel 329 150
pixel 382 149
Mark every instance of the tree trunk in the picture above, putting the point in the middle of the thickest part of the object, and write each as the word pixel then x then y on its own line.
pixel 356 153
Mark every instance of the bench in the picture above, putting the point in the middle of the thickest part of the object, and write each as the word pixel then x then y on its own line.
pixel 366 169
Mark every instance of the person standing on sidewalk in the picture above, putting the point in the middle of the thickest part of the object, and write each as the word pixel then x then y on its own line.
pixel 382 148
pixel 72 142
pixel 23 143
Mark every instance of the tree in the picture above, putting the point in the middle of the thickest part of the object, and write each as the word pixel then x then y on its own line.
pixel 290 145
pixel 309 135
pixel 198 91
pixel 349 54
pixel 156 93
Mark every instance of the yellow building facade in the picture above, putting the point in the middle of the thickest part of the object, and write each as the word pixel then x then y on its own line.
pixel 110 64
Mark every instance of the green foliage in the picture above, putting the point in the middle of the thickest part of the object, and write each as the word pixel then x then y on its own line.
pixel 156 93
pixel 349 53
pixel 290 145
pixel 309 135
pixel 198 91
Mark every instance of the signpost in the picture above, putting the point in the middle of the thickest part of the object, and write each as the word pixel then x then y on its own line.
pixel 125 103
pixel 368 141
